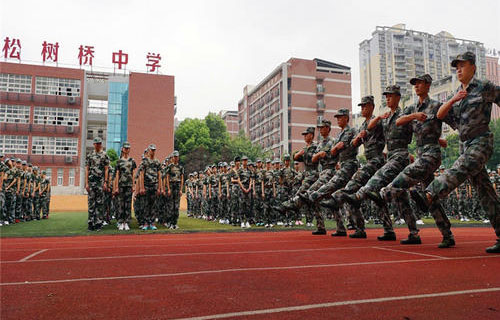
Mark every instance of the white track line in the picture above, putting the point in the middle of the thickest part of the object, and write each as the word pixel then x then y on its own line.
pixel 229 253
pixel 178 274
pixel 31 255
pixel 340 303
pixel 409 252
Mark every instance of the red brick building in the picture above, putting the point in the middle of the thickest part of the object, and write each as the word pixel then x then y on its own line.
pixel 297 94
pixel 231 120
pixel 44 116
pixel 493 74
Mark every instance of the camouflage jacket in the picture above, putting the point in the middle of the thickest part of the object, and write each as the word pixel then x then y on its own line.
pixel 269 179
pixel 214 182
pixel 9 176
pixel 150 167
pixel 96 162
pixel 225 180
pixel 428 131
pixel 126 168
pixel 286 177
pixel 349 152
pixel 472 115
pixel 309 152
pixel 174 172
pixel 43 184
pixel 245 177
pixel 326 144
pixel 258 178
pixel 396 137
pixel 374 140
pixel 297 180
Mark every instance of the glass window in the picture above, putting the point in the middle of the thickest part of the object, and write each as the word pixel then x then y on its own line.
pixel 14 113
pixel 55 146
pixel 60 175
pixel 15 83
pixel 48 174
pixel 57 86
pixel 56 116
pixel 71 177
pixel 13 144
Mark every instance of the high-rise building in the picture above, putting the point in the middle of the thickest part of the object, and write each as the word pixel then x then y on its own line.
pixel 493 74
pixel 297 94
pixel 230 118
pixel 395 54
pixel 50 115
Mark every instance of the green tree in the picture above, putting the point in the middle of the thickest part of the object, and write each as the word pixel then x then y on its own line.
pixel 495 157
pixel 240 146
pixel 451 152
pixel 113 157
pixel 218 133
pixel 190 135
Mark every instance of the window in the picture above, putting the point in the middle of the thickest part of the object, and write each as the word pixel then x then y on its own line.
pixel 48 174
pixel 90 134
pixel 55 146
pixel 15 83
pixel 57 86
pixel 56 116
pixel 60 175
pixel 14 114
pixel 71 177
pixel 14 144
pixel 100 133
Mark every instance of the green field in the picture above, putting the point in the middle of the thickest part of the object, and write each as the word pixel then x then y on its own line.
pixel 75 223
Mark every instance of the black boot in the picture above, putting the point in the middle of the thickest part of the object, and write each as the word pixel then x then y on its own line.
pixel 339 234
pixel 495 248
pixel 447 243
pixel 319 232
pixel 388 236
pixel 412 240
pixel 359 234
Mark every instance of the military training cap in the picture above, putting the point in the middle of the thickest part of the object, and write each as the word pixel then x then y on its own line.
pixel 231 163
pixel 97 140
pixel 237 158
pixel 275 161
pixel 43 172
pixel 244 158
pixel 175 153
pixel 30 165
pixel 441 167
pixel 342 112
pixel 24 163
pixel 250 163
pixel 268 160
pixel 258 160
pixel 393 89
pixel 35 168
pixel 324 123
pixel 424 77
pixel 18 160
pixel 308 130
pixel 466 56
pixel 366 100
pixel 126 144
pixel 152 146
pixel 286 157
pixel 498 166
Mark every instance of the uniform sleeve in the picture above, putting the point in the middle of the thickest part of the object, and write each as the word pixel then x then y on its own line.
pixel 87 160
pixel 106 160
pixel 134 165
pixel 491 93
pixel 451 117
pixel 348 136
pixel 408 110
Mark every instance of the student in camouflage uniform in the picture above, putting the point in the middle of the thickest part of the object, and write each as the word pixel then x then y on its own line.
pixel 19 195
pixel 44 195
pixel 374 143
pixel 189 195
pixel 224 194
pixel 37 179
pixel 3 169
pixel 258 194
pixel 297 182
pixel 469 111
pixel 427 130
pixel 175 184
pixel 269 192
pixel 287 175
pixel 213 184
pixel 108 197
pixel 151 186
pixel 11 186
pixel 28 193
pixel 245 183
pixel 138 195
pixel 124 184
pixel 279 215
pixel 96 177
pixel 397 139
pixel 348 166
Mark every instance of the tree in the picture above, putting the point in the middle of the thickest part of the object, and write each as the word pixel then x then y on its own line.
pixel 495 157
pixel 242 146
pixel 451 152
pixel 218 133
pixel 113 157
pixel 191 134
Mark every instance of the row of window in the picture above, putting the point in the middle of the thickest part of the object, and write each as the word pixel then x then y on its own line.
pixel 42 115
pixel 60 176
pixel 43 85
pixel 57 146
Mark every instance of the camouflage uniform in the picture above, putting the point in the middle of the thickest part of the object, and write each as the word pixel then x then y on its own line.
pixel 310 177
pixel 3 169
pixel 108 196
pixel 245 213
pixel 36 198
pixel 471 117
pixel 96 163
pixel 258 201
pixel 10 178
pixel 269 191
pixel 427 135
pixel 224 195
pixel 287 175
pixel 125 168
pixel 175 174
pixel 138 201
pixel 45 197
pixel 150 167
pixel 19 195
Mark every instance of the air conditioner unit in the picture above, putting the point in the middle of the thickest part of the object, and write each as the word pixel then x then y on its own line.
pixel 71 100
pixel 70 129
pixel 68 159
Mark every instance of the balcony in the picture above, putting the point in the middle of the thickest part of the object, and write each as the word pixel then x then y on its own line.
pixel 39 128
pixel 39 98
pixel 320 90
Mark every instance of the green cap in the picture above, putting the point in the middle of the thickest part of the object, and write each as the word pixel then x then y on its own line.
pixel 366 100
pixel 244 158
pixel 466 56
pixel 43 172
pixel 152 146
pixel 126 144
pixel 324 123
pixel 237 158
pixel 286 157
pixel 424 77
pixel 268 160
pixel 175 153
pixel 97 140
pixel 392 89
pixel 342 112
pixel 308 130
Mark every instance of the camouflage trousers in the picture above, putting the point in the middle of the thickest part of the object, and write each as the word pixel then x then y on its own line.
pixel 258 205
pixel 19 206
pixel 270 216
pixel 234 204
pixel 214 203
pixel 471 165
pixel 36 206
pixel 28 207
pixel 44 204
pixel 360 178
pixel 223 207
pixel 124 202
pixel 138 204
pixel 150 198
pixel 310 210
pixel 422 170
pixel 337 182
pixel 95 203
pixel 245 213
pixel 108 200
pixel 175 199
pixel 3 216
pixel 320 212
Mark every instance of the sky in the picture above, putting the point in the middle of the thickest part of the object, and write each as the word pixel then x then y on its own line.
pixel 215 48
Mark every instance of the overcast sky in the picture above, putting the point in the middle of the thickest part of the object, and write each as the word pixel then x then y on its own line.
pixel 215 48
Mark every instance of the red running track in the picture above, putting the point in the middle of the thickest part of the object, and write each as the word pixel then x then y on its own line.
pixel 251 275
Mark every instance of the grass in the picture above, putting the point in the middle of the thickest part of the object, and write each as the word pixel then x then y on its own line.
pixel 75 224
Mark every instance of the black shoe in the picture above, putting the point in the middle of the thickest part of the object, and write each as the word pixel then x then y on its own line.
pixel 351 199
pixel 495 248
pixel 388 236
pixel 319 232
pixel 412 240
pixel 90 227
pixel 339 234
pixel 359 234
pixel 447 243
pixel 375 197
pixel 420 199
